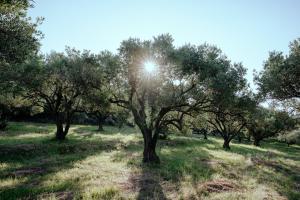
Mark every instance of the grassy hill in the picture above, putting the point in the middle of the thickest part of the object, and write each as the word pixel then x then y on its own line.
pixel 107 165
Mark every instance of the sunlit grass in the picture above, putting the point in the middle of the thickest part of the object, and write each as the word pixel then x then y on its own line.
pixel 107 165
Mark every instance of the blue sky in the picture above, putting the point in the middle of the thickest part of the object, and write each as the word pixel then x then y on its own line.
pixel 245 30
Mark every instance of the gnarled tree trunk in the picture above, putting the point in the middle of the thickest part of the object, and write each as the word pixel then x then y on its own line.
pixel 149 153
pixel 61 130
pixel 226 144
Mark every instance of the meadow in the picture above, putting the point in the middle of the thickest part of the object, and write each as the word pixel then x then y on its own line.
pixel 107 165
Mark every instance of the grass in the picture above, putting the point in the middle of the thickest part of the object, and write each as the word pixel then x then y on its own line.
pixel 107 165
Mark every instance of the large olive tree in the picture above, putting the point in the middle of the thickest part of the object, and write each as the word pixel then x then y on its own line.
pixel 151 87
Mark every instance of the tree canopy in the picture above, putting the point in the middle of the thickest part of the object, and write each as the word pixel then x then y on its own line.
pixel 278 80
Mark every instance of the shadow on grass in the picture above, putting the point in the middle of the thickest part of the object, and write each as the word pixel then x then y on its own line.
pixel 148 184
pixel 181 159
pixel 49 157
pixel 89 131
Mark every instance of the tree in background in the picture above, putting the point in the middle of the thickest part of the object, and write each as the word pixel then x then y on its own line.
pixel 224 86
pixel 96 102
pixel 264 123
pixel 281 74
pixel 58 82
pixel 157 95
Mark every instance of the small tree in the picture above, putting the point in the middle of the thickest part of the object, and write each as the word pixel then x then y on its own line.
pixel 58 83
pixel 229 118
pixel 263 123
pixel 97 105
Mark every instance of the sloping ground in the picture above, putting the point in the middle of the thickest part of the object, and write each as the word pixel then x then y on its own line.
pixel 107 165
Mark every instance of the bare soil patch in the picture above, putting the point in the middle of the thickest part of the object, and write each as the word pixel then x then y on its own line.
pixel 218 186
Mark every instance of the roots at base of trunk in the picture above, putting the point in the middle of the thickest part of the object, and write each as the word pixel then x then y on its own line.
pixel 61 131
pixel 150 156
pixel 226 145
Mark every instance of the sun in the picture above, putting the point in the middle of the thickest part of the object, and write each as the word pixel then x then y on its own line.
pixel 150 67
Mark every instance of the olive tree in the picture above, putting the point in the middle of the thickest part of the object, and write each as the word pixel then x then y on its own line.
pixel 58 82
pixel 19 37
pixel 224 86
pixel 150 86
pixel 281 74
pixel 19 40
pixel 263 123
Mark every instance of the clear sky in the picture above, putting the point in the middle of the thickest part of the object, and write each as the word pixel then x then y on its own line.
pixel 245 30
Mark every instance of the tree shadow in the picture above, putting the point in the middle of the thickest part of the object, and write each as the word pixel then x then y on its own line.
pixel 148 184
pixel 90 131
pixel 268 149
pixel 32 164
pixel 180 158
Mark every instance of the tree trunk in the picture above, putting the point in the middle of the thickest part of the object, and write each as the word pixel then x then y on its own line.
pixel 256 142
pixel 100 126
pixel 226 144
pixel 249 138
pixel 149 154
pixel 205 135
pixel 60 133
pixel 239 139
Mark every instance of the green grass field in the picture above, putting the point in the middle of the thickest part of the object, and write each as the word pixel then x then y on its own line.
pixel 107 165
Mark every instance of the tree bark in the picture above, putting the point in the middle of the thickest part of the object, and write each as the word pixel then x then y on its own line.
pixel 100 126
pixel 249 138
pixel 149 154
pixel 205 135
pixel 239 138
pixel 256 142
pixel 60 133
pixel 226 144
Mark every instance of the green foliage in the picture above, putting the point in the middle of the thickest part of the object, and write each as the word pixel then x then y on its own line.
pixel 292 137
pixel 58 82
pixel 223 85
pixel 279 78
pixel 19 37
pixel 263 123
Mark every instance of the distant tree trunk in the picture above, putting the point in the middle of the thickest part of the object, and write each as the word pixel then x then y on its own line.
pixel 61 130
pixel 249 138
pixel 256 141
pixel 205 135
pixel 60 133
pixel 226 140
pixel 100 126
pixel 239 138
pixel 226 144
